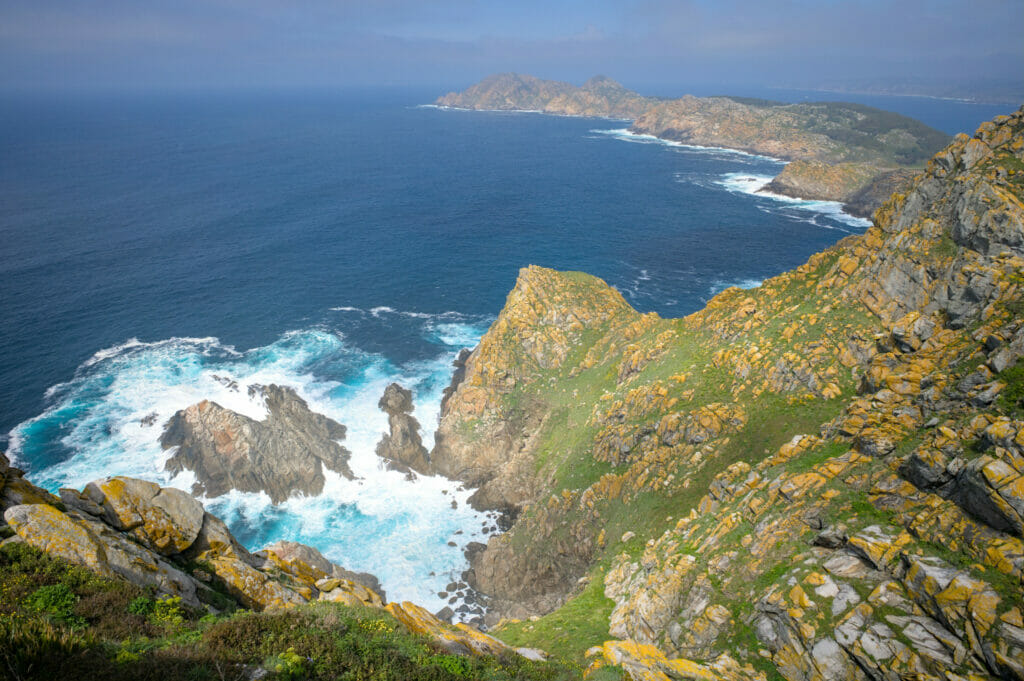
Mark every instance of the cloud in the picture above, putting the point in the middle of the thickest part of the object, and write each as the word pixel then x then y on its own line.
pixel 336 42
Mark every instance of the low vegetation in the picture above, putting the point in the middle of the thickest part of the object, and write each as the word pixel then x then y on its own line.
pixel 62 621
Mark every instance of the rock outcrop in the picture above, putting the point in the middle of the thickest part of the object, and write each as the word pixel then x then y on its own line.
pixel 148 535
pixel 161 538
pixel 835 182
pixel 870 197
pixel 482 432
pixel 402 447
pixel 820 478
pixel 284 454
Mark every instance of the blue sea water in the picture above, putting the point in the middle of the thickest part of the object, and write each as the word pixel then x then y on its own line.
pixel 154 250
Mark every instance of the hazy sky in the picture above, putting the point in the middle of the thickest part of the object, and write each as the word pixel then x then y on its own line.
pixel 653 45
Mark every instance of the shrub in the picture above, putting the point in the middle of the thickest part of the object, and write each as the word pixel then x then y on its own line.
pixel 58 601
pixel 141 606
pixel 289 665
pixel 453 664
pixel 1012 397
pixel 167 613
pixel 29 645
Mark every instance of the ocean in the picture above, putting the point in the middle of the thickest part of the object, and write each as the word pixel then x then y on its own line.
pixel 153 247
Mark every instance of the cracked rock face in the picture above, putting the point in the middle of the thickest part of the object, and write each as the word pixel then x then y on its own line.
pixel 284 454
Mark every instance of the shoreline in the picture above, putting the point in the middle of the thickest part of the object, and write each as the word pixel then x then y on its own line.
pixel 625 134
pixel 442 107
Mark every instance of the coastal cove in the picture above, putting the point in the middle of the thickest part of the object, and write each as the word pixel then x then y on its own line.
pixel 299 243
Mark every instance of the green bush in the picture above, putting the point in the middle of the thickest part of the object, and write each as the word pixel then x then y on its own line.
pixel 1012 397
pixel 167 613
pixel 27 644
pixel 141 606
pixel 289 665
pixel 58 601
pixel 453 664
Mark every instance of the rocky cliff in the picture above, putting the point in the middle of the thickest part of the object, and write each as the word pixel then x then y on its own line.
pixel 816 479
pixel 843 146
pixel 282 455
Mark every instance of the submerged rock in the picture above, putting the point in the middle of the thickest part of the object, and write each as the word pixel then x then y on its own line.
pixel 282 455
pixel 402 448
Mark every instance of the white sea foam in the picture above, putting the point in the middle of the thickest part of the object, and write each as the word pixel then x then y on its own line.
pixel 626 135
pixel 720 285
pixel 110 416
pixel 752 185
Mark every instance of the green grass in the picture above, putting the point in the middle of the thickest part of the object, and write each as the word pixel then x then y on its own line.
pixel 945 247
pixel 570 630
pixel 1011 399
pixel 815 457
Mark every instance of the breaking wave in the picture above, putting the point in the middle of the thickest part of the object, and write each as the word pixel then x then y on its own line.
pixel 108 418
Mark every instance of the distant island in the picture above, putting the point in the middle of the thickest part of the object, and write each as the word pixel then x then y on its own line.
pixel 839 151
pixel 975 91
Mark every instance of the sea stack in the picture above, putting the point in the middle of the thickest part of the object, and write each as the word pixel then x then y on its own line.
pixel 402 447
pixel 282 455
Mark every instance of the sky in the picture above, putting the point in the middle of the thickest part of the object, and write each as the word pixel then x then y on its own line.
pixel 654 46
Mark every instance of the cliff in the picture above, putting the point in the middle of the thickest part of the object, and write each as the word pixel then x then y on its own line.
pixel 821 478
pixel 816 479
pixel 844 146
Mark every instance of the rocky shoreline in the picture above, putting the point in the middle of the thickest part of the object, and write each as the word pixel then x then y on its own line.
pixel 833 551
pixel 840 152
pixel 818 479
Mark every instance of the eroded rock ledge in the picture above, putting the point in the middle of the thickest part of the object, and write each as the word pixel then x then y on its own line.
pixel 284 454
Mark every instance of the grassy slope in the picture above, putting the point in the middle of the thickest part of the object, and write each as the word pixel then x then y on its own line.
pixel 771 420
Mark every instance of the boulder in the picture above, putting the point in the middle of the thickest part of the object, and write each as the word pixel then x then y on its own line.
pixel 458 640
pixel 300 559
pixel 94 545
pixel 17 490
pixel 992 490
pixel 348 592
pixel 50 530
pixel 166 520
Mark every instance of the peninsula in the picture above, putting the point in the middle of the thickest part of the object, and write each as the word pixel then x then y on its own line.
pixel 843 152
